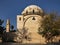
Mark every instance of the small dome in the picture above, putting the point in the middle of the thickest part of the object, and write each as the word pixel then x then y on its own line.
pixel 32 9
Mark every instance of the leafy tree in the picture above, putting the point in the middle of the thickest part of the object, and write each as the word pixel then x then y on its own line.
pixel 2 28
pixel 12 27
pixel 50 26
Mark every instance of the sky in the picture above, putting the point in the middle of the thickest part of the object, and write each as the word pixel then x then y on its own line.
pixel 9 9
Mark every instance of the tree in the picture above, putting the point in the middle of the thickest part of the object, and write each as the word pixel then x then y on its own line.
pixel 50 26
pixel 2 28
pixel 12 27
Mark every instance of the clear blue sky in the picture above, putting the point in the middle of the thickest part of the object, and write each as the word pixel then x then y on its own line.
pixel 9 9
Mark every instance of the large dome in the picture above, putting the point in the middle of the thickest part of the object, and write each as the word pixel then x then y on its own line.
pixel 32 9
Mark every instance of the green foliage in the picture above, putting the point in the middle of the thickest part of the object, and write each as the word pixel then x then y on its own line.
pixel 51 26
pixel 2 28
pixel 1 22
pixel 12 27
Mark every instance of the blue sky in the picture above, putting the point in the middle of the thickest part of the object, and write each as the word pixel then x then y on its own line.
pixel 9 9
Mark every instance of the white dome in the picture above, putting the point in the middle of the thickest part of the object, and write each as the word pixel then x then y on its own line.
pixel 29 9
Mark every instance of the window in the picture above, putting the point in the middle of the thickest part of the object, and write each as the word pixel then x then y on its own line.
pixel 26 12
pixel 33 11
pixel 33 18
pixel 20 18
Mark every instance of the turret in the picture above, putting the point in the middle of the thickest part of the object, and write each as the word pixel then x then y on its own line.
pixel 8 25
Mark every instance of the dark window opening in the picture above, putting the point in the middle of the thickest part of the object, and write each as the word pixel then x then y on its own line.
pixel 20 18
pixel 33 11
pixel 33 18
pixel 26 12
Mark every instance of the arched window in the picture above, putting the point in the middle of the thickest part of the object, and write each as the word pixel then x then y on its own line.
pixel 33 11
pixel 20 18
pixel 33 18
pixel 26 12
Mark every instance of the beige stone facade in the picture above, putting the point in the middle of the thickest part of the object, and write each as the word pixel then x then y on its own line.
pixel 31 19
